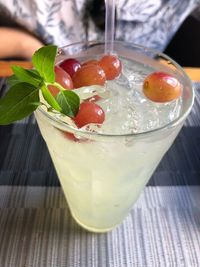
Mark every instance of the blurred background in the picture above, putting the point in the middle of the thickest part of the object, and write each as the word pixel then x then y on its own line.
pixel 185 46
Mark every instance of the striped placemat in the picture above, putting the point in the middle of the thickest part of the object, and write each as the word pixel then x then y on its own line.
pixel 162 229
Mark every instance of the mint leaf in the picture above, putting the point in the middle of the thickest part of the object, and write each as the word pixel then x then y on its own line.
pixel 44 61
pixel 69 102
pixel 12 80
pixel 20 101
pixel 49 98
pixel 29 76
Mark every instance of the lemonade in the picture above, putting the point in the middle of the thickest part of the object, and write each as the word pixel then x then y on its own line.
pixel 103 168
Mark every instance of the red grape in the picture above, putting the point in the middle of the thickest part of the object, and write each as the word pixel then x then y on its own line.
pixel 63 78
pixel 89 112
pixel 111 66
pixel 70 65
pixel 91 62
pixel 69 136
pixel 94 98
pixel 89 75
pixel 161 87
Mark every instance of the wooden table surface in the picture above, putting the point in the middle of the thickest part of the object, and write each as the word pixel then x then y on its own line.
pixel 5 69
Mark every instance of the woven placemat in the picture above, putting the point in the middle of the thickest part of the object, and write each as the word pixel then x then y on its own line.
pixel 162 229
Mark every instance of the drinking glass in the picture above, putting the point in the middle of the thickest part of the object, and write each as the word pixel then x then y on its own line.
pixel 103 174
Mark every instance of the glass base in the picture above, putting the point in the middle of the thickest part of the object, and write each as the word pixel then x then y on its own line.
pixel 92 229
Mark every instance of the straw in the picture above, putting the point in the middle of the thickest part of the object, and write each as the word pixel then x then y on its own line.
pixel 109 26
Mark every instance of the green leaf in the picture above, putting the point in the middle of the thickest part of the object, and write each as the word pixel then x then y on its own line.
pixel 44 61
pixel 12 80
pixel 49 98
pixel 29 76
pixel 69 102
pixel 19 102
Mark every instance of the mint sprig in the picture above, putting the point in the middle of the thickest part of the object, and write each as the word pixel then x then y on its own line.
pixel 23 96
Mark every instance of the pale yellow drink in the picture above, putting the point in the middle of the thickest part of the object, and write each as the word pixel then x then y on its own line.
pixel 102 174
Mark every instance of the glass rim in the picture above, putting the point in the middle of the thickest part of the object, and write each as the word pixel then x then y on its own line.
pixel 171 124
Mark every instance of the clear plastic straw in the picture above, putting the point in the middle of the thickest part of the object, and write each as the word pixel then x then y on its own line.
pixel 109 26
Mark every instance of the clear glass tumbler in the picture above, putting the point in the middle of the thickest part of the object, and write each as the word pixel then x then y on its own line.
pixel 102 175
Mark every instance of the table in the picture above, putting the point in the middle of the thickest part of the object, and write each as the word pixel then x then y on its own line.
pixel 36 229
pixel 5 69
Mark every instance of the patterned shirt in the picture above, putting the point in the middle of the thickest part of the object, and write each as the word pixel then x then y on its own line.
pixel 146 22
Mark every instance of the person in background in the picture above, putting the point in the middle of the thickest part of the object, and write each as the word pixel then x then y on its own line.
pixel 27 25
